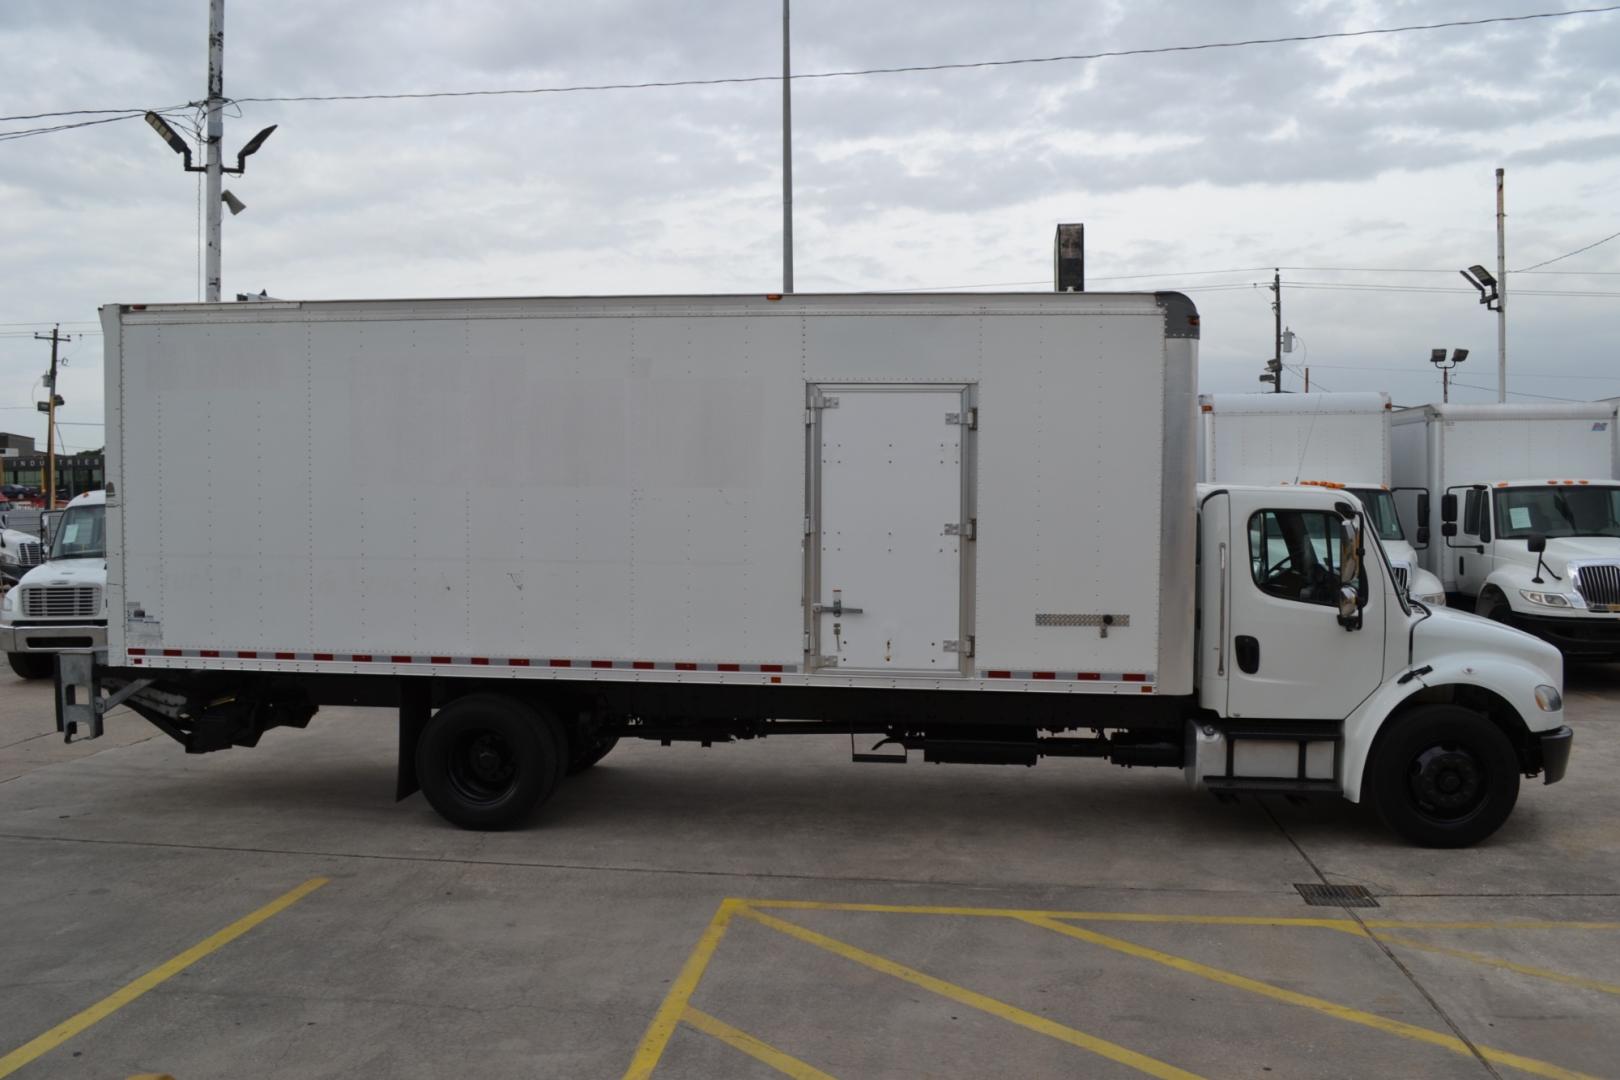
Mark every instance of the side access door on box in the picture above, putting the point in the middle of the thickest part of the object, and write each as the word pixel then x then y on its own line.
pixel 888 525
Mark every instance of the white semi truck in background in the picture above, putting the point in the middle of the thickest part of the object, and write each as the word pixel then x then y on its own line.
pixel 966 526
pixel 1335 441
pixel 60 603
pixel 1526 516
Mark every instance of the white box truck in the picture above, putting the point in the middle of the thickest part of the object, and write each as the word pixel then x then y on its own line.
pixel 1338 441
pixel 965 526
pixel 1527 521
pixel 59 603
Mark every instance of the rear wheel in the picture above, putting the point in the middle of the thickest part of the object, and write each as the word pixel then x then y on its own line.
pixel 486 761
pixel 1443 776
pixel 33 665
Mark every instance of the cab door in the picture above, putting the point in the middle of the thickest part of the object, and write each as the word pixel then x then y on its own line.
pixel 1287 657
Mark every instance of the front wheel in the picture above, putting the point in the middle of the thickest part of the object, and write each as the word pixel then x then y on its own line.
pixel 1443 776
pixel 33 665
pixel 486 761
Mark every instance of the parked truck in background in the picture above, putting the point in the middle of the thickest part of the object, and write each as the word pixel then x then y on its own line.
pixel 60 603
pixel 965 526
pixel 1336 441
pixel 1527 514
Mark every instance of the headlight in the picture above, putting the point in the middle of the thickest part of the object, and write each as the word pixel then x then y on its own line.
pixel 10 602
pixel 1434 599
pixel 1549 699
pixel 1547 599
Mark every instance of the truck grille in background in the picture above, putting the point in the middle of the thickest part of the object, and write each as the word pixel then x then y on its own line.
pixel 61 602
pixel 1599 584
pixel 1403 575
pixel 29 555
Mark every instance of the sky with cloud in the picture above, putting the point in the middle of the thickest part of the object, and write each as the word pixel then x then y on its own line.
pixel 1374 153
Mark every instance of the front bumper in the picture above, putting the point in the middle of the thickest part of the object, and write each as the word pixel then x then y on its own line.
pixel 1555 746
pixel 1578 637
pixel 52 637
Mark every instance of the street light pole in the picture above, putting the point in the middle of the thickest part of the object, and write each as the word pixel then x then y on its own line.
pixel 1501 292
pixel 216 135
pixel 787 157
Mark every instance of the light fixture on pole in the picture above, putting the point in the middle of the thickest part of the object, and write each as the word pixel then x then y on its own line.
pixel 1437 357
pixel 1481 279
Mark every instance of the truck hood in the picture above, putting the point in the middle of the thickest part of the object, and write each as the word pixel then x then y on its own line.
pixel 1561 551
pixel 67 572
pixel 1449 631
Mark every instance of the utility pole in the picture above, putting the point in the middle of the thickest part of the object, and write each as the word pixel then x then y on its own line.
pixel 215 135
pixel 787 156
pixel 1501 292
pixel 55 337
pixel 1276 312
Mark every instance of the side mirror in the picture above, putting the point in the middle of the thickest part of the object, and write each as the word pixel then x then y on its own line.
pixel 1536 542
pixel 1423 509
pixel 1423 534
pixel 1448 528
pixel 1448 511
pixel 1349 573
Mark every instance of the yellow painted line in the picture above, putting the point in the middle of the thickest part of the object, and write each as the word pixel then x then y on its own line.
pixel 754 1048
pixel 1340 1012
pixel 110 1004
pixel 962 995
pixel 674 1005
pixel 1508 965
pixel 1349 925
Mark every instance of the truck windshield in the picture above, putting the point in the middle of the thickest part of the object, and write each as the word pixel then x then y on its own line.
pixel 1380 506
pixel 81 534
pixel 1557 511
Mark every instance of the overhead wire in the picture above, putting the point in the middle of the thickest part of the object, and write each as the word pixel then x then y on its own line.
pixel 1567 254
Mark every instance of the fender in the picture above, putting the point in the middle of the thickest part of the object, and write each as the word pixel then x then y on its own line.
pixel 1511 678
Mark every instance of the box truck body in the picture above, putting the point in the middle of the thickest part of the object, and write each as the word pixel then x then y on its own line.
pixel 1515 473
pixel 1330 440
pixel 960 525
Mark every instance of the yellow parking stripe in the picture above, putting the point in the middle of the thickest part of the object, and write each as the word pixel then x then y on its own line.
pixel 1340 1012
pixel 675 1002
pixel 1349 925
pixel 110 1004
pixel 964 996
pixel 1491 961
pixel 754 1048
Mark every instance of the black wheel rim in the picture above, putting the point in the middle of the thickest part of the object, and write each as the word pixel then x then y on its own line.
pixel 483 766
pixel 1448 782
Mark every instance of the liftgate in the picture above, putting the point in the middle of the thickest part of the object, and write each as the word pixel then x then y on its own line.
pixel 888 527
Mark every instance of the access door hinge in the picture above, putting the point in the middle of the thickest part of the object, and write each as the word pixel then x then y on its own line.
pixel 967 649
pixel 967 531
pixel 969 419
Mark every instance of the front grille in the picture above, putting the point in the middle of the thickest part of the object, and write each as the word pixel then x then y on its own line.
pixel 1403 574
pixel 61 601
pixel 30 555
pixel 1599 584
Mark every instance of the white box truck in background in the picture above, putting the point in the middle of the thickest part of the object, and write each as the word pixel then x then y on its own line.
pixel 961 525
pixel 1326 440
pixel 1526 514
pixel 60 602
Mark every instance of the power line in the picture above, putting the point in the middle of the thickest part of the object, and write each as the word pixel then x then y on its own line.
pixel 1567 254
pixel 1516 393
pixel 24 133
pixel 79 112
pixel 906 69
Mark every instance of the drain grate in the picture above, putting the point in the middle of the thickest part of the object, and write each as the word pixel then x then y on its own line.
pixel 1336 895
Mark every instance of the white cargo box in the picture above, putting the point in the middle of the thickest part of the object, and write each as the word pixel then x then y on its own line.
pixel 1287 438
pixel 865 490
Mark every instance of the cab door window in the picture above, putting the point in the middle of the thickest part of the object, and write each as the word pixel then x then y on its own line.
pixel 1296 555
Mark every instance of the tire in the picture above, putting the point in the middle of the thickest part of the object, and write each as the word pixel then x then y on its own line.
pixel 1492 605
pixel 33 665
pixel 586 751
pixel 1443 776
pixel 486 761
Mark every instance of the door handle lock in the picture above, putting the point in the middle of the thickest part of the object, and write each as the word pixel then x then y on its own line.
pixel 1248 654
pixel 837 607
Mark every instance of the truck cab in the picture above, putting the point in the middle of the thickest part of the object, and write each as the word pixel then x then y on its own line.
pixel 1317 673
pixel 1542 555
pixel 60 604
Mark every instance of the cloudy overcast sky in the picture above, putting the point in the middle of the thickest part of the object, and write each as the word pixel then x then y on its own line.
pixel 1376 152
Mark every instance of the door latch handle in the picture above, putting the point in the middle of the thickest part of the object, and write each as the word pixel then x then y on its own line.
pixel 1248 654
